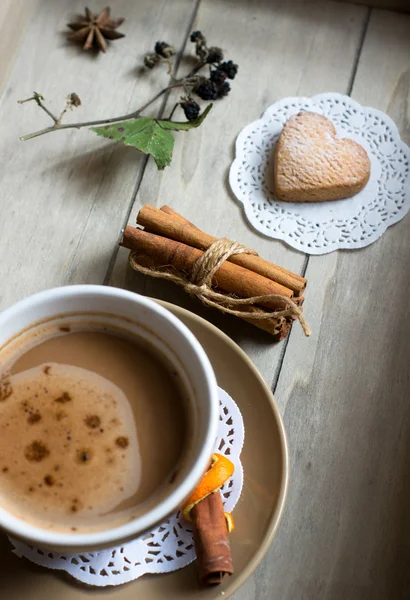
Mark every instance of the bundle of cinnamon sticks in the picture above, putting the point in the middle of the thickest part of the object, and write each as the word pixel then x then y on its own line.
pixel 171 242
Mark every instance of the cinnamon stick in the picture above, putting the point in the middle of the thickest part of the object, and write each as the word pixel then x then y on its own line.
pixel 211 538
pixel 170 211
pixel 278 327
pixel 230 278
pixel 169 223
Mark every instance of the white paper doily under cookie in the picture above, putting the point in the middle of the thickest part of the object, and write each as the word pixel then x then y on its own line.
pixel 319 228
pixel 170 546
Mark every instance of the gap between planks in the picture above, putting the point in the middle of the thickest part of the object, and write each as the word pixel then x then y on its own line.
pixel 141 171
pixel 306 261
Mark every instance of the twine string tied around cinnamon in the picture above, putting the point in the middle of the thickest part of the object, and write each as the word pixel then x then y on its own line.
pixel 200 282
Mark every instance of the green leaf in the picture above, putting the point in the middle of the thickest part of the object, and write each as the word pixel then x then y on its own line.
pixel 151 136
pixel 144 134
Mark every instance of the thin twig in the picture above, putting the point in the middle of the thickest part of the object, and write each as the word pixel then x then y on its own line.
pixel 171 69
pixel 57 121
pixel 173 110
pixel 38 99
pixel 60 118
pixel 195 70
pixel 184 82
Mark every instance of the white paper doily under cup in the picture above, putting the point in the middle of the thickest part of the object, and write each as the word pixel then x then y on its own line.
pixel 167 548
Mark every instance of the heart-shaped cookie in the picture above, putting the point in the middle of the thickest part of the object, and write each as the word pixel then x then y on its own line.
pixel 313 165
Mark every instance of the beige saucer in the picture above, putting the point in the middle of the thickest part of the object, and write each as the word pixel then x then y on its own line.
pixel 265 462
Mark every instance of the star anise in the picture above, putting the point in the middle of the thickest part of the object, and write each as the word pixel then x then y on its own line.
pixel 94 30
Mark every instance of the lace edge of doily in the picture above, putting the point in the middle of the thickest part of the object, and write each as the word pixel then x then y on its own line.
pixel 243 199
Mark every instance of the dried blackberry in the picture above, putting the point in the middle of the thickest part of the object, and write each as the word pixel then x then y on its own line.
pixel 191 109
pixel 218 77
pixel 230 68
pixel 207 90
pixel 224 89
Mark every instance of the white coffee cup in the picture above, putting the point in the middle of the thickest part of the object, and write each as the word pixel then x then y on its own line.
pixel 166 333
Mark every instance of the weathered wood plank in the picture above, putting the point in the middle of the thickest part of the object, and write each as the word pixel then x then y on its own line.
pixel 14 18
pixel 65 196
pixel 283 49
pixel 69 202
pixel 395 5
pixel 344 394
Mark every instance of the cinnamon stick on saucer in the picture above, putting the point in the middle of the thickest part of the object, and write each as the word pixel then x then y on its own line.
pixel 213 551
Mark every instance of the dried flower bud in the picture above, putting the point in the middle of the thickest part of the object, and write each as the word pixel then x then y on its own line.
pixel 201 51
pixel 74 100
pixel 196 36
pixel 151 60
pixel 215 55
pixel 164 49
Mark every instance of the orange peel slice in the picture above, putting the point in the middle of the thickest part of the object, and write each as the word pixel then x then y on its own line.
pixel 221 470
pixel 230 523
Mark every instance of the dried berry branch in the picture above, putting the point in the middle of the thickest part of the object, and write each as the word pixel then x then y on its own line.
pixel 134 126
pixel 58 125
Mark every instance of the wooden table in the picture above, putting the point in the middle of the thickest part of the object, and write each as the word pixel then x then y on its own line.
pixel 344 393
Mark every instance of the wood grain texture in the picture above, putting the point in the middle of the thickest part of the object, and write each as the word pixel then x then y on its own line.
pixel 395 5
pixel 345 400
pixel 344 392
pixel 14 18
pixel 65 196
pixel 291 48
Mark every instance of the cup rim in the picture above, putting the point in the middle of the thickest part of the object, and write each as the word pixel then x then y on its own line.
pixel 143 523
